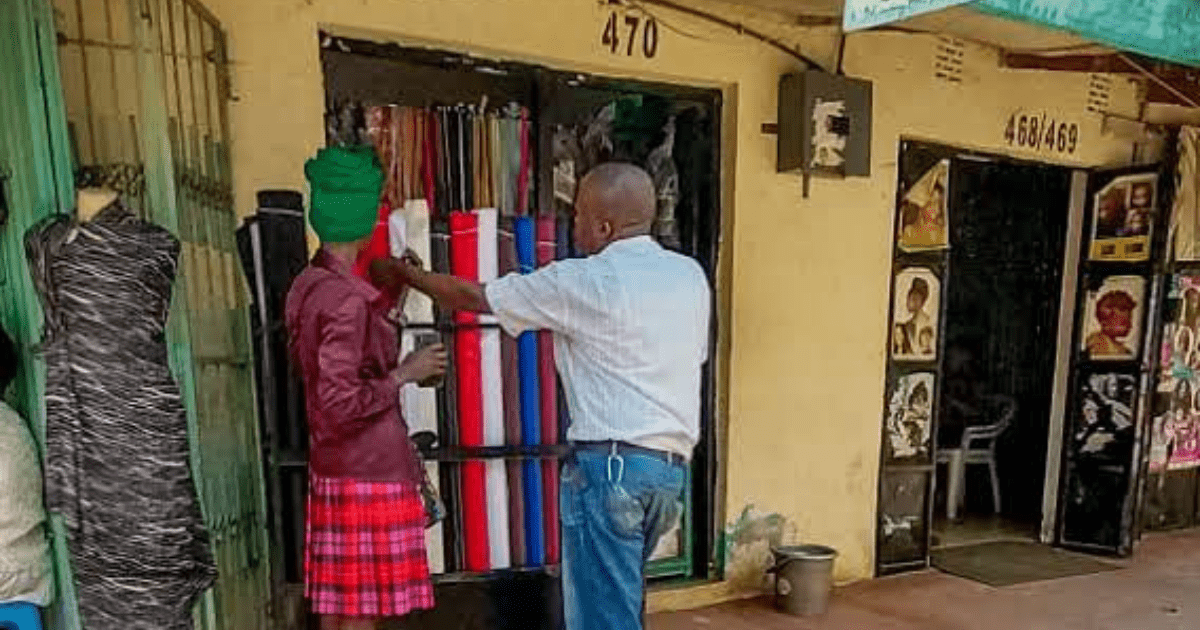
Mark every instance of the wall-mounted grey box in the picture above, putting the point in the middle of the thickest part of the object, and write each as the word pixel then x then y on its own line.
pixel 824 124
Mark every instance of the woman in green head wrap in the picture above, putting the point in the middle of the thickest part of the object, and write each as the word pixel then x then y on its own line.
pixel 365 555
pixel 346 183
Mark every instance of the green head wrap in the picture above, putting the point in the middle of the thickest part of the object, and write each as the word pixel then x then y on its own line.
pixel 345 183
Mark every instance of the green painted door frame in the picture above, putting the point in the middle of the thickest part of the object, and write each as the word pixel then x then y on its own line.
pixel 35 177
pixel 208 334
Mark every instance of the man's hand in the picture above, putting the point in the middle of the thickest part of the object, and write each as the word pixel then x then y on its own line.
pixel 421 365
pixel 393 274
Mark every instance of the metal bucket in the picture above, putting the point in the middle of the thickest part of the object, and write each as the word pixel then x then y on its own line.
pixel 803 578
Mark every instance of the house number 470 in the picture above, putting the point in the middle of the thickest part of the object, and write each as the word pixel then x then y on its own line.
pixel 631 34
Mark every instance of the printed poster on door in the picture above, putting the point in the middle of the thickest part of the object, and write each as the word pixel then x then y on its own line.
pixel 915 315
pixel 1103 430
pixel 909 421
pixel 924 211
pixel 1112 327
pixel 1122 218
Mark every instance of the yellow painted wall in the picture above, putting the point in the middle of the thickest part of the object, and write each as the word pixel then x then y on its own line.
pixel 806 281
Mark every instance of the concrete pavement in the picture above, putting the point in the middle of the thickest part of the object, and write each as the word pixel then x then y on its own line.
pixel 1158 589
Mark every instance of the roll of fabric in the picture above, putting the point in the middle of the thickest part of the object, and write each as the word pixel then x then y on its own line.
pixel 447 402
pixel 531 425
pixel 546 247
pixel 409 229
pixel 563 247
pixel 464 254
pixel 499 544
pixel 512 405
pixel 414 223
pixel 563 238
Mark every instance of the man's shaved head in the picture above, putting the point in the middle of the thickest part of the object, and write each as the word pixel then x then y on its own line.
pixel 615 201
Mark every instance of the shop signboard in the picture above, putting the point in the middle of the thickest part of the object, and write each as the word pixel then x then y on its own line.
pixel 863 14
pixel 1166 29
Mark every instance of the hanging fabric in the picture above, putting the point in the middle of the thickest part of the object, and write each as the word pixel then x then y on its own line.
pixel 661 167
pixel 525 172
pixel 118 465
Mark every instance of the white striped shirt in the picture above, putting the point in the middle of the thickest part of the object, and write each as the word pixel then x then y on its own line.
pixel 631 328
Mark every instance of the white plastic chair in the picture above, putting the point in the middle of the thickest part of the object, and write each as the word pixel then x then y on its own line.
pixel 978 446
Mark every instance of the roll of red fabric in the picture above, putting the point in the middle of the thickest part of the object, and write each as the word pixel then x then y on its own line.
pixel 464 263
pixel 546 249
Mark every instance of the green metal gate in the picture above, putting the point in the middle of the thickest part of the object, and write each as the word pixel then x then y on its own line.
pixel 34 182
pixel 133 94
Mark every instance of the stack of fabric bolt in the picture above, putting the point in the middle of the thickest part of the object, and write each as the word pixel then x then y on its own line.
pixel 458 190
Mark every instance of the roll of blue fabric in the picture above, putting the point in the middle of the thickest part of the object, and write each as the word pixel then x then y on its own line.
pixel 531 415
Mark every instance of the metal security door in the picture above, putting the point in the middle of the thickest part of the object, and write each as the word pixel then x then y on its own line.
pixel 34 182
pixel 1115 353
pixel 146 90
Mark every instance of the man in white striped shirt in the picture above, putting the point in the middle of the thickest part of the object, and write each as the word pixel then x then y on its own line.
pixel 630 325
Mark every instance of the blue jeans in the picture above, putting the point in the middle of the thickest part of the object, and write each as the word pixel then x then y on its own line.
pixel 614 511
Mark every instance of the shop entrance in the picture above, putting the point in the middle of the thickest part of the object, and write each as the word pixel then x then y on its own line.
pixel 1007 225
pixel 1016 389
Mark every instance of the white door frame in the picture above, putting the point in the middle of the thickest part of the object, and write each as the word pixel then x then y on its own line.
pixel 1062 365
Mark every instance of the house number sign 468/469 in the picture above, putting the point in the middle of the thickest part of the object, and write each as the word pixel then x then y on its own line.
pixel 1041 132
pixel 630 35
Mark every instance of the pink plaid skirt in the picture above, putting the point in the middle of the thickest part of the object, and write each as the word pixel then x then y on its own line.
pixel 364 553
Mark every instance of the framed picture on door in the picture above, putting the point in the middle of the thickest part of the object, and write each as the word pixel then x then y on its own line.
pixel 1112 326
pixel 924 212
pixel 909 423
pixel 917 303
pixel 1123 214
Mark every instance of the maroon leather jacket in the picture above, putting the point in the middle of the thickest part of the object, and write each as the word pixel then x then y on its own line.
pixel 346 349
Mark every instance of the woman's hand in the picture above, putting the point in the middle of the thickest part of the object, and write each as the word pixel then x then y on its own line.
pixel 423 364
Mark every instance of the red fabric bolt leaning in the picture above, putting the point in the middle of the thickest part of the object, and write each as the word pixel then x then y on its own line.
pixel 464 263
pixel 546 248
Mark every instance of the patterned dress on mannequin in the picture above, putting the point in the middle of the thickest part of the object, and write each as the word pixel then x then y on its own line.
pixel 117 462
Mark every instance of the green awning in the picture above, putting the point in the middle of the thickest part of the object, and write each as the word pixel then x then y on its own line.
pixel 1164 29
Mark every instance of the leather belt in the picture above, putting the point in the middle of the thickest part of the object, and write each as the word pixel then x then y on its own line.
pixel 624 448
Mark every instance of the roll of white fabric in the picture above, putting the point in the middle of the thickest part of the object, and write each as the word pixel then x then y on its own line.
pixel 419 307
pixel 408 228
pixel 493 398
pixel 398 231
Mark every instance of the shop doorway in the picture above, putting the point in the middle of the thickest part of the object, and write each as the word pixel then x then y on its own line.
pixel 1018 300
pixel 1008 226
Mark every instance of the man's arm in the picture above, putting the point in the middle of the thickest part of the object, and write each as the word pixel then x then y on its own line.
pixel 448 291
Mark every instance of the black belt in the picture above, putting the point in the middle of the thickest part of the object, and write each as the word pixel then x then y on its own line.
pixel 624 448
